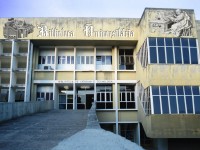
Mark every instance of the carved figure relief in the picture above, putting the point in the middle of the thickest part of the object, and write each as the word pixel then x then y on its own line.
pixel 178 23
pixel 14 29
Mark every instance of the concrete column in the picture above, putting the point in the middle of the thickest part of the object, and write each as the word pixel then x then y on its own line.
pixel 28 72
pixel 11 96
pixel 116 91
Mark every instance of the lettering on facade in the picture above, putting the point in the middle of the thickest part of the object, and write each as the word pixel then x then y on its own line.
pixel 44 31
pixel 89 31
pixel 175 22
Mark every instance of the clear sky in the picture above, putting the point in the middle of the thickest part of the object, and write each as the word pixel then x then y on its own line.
pixel 89 8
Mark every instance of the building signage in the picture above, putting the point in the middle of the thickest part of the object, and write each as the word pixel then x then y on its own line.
pixel 19 29
pixel 89 31
pixel 44 31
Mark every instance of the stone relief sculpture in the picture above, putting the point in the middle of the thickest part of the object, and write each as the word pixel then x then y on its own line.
pixel 14 29
pixel 177 23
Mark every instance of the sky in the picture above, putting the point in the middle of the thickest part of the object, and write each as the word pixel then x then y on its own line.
pixel 89 8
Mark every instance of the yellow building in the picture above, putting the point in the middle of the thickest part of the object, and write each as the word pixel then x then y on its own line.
pixel 142 73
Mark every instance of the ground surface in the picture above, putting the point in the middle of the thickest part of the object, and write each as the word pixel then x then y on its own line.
pixel 96 139
pixel 41 131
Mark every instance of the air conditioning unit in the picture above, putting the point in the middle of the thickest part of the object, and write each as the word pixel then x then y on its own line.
pixel 47 67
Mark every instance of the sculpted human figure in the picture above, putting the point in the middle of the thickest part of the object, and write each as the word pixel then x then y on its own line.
pixel 181 21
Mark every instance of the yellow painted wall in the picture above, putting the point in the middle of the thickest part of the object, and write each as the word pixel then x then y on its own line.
pixel 169 75
pixel 86 75
pixel 126 75
pixel 125 116
pixel 61 75
pixel 105 75
pixel 106 116
pixel 44 75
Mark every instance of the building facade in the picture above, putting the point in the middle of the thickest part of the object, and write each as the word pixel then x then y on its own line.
pixel 143 74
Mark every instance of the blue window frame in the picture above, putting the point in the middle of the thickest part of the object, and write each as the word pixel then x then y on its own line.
pixel 176 99
pixel 173 50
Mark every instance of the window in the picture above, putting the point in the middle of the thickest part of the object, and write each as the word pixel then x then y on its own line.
pixel 173 51
pixel 65 59
pixel 46 59
pixel 85 60
pixel 176 99
pixel 126 61
pixel 127 99
pixel 104 60
pixel 41 96
pixel 104 97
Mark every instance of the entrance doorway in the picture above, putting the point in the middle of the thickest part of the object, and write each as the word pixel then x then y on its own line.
pixel 89 100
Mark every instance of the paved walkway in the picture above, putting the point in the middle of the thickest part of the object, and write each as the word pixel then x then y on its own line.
pixel 41 131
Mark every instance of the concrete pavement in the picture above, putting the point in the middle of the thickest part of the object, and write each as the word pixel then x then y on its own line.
pixel 41 131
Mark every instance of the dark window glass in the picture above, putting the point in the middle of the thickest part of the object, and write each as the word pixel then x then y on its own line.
pixel 189 104
pixel 173 104
pixel 122 61
pixel 38 94
pixel 193 55
pixel 170 55
pixel 181 104
pixel 72 59
pixel 188 90
pixel 178 58
pixel 82 59
pixel 123 97
pixel 102 96
pixel 176 42
pixel 160 41
pixel 128 52
pixel 128 97
pixel 195 90
pixel 98 97
pixel 51 96
pixel 163 90
pixel 197 104
pixel 53 59
pixel 161 54
pixel 179 90
pixel 43 59
pixel 47 96
pixel 91 59
pixel 103 60
pixel 62 99
pixel 132 96
pixel 39 60
pixel 59 59
pixel 184 42
pixel 121 52
pixel 108 97
pixel 165 106
pixel 153 55
pixel 78 59
pixel 156 104
pixel 192 42
pixel 68 59
pixel 87 60
pixel 186 59
pixel 172 90
pixel 155 90
pixel 63 59
pixel 168 41
pixel 108 60
pixel 152 41
pixel 48 59
pixel 42 95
